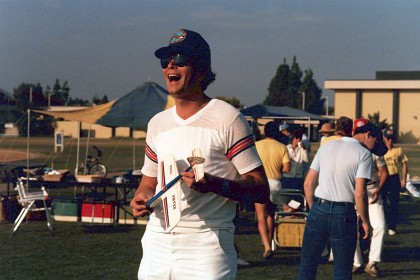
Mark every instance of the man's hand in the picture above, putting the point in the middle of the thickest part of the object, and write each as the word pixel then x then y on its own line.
pixel 373 197
pixel 403 183
pixel 365 230
pixel 138 205
pixel 144 193
pixel 200 186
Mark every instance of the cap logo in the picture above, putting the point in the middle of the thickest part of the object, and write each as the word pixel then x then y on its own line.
pixel 179 36
pixel 360 123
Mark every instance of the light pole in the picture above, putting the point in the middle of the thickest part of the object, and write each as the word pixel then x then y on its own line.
pixel 326 104
pixel 303 100
pixel 52 92
pixel 49 98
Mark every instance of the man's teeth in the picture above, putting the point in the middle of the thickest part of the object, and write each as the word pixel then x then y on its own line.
pixel 173 77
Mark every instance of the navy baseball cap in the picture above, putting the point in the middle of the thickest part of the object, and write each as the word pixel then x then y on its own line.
pixel 389 133
pixel 362 126
pixel 188 43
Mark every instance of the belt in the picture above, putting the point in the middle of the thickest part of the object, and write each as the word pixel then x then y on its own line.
pixel 336 203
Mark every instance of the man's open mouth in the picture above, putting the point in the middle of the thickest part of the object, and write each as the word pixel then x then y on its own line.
pixel 173 77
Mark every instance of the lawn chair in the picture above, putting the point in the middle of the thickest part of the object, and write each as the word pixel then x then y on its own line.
pixel 27 200
pixel 289 226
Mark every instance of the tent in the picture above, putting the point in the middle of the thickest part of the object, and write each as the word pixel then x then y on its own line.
pixel 285 113
pixel 261 111
pixel 133 110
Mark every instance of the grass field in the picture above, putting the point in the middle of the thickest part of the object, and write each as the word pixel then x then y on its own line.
pixel 92 251
pixel 86 251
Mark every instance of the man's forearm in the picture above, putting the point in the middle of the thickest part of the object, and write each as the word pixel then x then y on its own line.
pixel 361 201
pixel 251 189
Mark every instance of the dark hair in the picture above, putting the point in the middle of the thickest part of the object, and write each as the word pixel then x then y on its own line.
pixel 210 76
pixel 271 129
pixel 345 125
pixel 297 134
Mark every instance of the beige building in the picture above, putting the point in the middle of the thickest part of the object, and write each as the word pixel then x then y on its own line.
pixel 395 95
pixel 71 128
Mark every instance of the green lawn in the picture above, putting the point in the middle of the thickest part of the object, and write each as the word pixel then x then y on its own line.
pixel 93 251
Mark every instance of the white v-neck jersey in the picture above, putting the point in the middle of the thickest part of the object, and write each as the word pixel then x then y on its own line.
pixel 226 141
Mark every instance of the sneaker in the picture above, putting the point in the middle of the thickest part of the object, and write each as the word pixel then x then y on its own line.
pixel 392 232
pixel 371 269
pixel 356 269
pixel 241 262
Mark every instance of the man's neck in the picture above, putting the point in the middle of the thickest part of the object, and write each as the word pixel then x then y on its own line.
pixel 187 108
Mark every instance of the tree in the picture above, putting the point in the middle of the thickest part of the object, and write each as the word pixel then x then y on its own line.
pixel 294 85
pixel 29 97
pixel 78 102
pixel 375 118
pixel 96 100
pixel 288 89
pixel 277 90
pixel 60 94
pixel 313 102
pixel 104 99
pixel 232 101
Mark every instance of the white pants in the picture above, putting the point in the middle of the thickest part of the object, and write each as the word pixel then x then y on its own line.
pixel 177 256
pixel 377 221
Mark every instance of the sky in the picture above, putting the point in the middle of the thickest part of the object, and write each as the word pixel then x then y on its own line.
pixel 104 47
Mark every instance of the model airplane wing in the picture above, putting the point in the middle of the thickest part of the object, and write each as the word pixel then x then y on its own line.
pixel 171 199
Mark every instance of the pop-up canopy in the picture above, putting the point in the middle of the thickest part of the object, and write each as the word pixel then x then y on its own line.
pixel 133 110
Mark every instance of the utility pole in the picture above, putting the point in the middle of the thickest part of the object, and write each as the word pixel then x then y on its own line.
pixel 303 100
pixel 326 103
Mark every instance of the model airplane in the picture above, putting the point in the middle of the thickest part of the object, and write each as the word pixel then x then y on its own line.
pixel 170 193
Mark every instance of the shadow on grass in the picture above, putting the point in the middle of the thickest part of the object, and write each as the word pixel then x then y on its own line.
pixel 107 229
pixel 277 260
pixel 394 253
pixel 400 272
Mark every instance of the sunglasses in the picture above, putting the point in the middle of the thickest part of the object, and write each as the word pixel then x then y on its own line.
pixel 180 60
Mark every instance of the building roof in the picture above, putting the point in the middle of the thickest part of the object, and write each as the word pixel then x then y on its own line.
pixel 372 84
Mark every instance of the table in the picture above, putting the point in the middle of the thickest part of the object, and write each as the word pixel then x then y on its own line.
pixel 120 191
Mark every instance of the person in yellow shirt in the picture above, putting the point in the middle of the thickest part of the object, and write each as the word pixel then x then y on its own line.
pixel 275 159
pixel 395 158
pixel 344 129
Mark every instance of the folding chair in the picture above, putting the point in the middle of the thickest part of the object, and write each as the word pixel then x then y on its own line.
pixel 27 200
pixel 289 226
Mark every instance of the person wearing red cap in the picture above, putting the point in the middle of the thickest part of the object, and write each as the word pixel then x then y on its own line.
pixel 395 159
pixel 376 212
pixel 201 245
pixel 341 168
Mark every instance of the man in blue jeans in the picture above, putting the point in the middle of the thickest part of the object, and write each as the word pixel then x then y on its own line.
pixel 341 168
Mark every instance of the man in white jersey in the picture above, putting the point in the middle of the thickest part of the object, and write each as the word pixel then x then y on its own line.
pixel 201 245
pixel 341 168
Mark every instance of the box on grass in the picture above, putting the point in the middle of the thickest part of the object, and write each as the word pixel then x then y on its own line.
pixel 98 212
pixel 126 217
pixel 66 209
